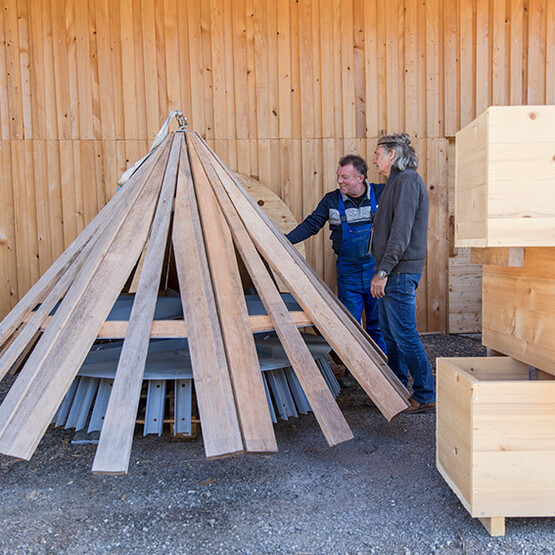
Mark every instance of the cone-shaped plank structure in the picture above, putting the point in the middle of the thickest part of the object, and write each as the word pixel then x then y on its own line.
pixel 180 199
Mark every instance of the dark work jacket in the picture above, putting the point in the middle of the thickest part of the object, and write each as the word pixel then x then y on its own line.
pixel 401 224
pixel 328 210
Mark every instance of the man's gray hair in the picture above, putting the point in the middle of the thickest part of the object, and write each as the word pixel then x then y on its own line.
pixel 405 156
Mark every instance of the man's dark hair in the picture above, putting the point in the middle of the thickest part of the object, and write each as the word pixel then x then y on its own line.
pixel 357 162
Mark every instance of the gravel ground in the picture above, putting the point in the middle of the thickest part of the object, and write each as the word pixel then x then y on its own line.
pixel 379 493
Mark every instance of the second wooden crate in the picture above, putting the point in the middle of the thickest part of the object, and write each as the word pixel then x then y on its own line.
pixel 496 437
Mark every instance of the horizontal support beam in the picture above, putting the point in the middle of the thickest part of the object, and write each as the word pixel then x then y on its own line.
pixel 116 329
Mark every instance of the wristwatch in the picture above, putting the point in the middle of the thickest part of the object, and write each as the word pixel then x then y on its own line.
pixel 382 274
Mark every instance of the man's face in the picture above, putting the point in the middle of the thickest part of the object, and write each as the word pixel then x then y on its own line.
pixel 383 160
pixel 350 182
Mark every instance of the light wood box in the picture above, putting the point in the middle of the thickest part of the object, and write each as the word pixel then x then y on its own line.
pixel 505 178
pixel 496 436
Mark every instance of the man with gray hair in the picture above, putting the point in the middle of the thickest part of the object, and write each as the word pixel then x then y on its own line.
pixel 399 249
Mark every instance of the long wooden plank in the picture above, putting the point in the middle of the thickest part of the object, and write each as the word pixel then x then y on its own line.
pixel 25 214
pixel 150 67
pixel 434 100
pixel 246 377
pixel 59 354
pixel 220 424
pixel 483 64
pixel 116 437
pixel 322 308
pixel 54 193
pixel 11 36
pixel 330 418
pixel 517 43
pixel 7 255
pixel 43 286
pixel 450 84
pixel 117 329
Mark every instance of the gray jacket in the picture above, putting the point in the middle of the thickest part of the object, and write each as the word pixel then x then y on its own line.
pixel 401 224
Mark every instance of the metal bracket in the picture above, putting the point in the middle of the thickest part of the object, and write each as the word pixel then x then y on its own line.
pixel 181 121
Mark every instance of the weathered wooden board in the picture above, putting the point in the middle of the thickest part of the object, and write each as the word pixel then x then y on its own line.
pixel 116 437
pixel 220 424
pixel 465 306
pixel 117 329
pixel 246 377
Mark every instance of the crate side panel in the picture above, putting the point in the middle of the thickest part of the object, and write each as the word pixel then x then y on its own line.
pixel 521 195
pixel 514 449
pixel 521 232
pixel 521 124
pixel 471 184
pixel 489 368
pixel 454 428
pixel 518 316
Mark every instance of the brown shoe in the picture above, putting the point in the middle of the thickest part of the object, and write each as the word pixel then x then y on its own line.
pixel 419 408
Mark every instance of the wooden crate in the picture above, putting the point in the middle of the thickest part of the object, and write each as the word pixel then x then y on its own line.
pixel 505 176
pixel 496 438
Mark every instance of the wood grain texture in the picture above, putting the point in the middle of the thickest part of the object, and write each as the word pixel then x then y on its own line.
pixel 114 447
pixel 117 329
pixel 220 423
pixel 496 436
pixel 246 377
pixel 518 309
pixel 259 77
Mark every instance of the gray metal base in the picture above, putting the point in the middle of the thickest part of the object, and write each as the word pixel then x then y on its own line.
pixel 168 368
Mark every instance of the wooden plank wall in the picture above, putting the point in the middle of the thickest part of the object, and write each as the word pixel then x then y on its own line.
pixel 280 89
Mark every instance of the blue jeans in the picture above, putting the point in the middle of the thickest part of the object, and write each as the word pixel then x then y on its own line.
pixel 353 290
pixel 397 312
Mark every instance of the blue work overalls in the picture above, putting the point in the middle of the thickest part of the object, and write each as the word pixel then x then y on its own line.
pixel 355 269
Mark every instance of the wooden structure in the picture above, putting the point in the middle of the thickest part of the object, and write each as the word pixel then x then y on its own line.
pixel 128 242
pixel 280 89
pixel 496 438
pixel 505 174
pixel 495 421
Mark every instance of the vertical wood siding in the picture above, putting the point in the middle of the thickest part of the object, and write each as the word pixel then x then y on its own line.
pixel 280 88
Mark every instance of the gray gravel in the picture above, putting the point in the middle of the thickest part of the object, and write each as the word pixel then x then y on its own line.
pixel 379 493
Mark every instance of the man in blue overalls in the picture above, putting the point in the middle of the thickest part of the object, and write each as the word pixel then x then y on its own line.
pixel 350 211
